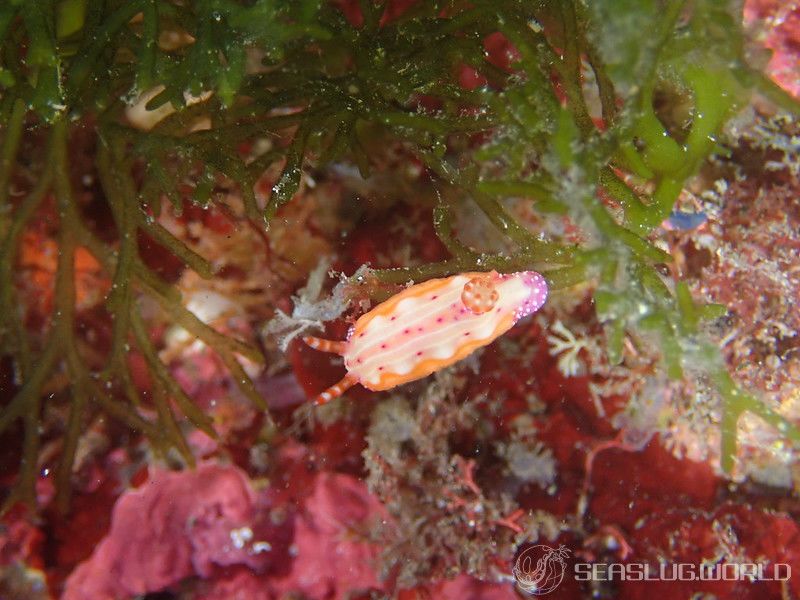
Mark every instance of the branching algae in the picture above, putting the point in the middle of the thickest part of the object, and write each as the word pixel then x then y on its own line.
pixel 570 116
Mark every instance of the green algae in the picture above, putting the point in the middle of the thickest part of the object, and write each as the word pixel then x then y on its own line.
pixel 333 90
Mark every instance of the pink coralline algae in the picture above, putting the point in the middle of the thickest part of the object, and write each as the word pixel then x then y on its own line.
pixel 334 548
pixel 335 552
pixel 210 532
pixel 20 541
pixel 178 525
pixel 334 555
pixel 241 584
pixel 780 21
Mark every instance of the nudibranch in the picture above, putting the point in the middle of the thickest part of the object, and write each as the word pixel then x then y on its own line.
pixel 431 325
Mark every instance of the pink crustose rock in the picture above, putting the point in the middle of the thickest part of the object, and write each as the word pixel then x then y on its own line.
pixel 179 525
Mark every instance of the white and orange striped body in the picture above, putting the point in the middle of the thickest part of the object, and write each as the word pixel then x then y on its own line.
pixel 431 325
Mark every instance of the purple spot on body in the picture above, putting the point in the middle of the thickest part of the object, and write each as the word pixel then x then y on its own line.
pixel 419 353
pixel 380 368
pixel 393 318
pixel 406 331
pixel 440 320
pixel 384 346
pixel 434 297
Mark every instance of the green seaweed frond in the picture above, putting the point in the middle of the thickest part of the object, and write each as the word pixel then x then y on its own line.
pixel 573 111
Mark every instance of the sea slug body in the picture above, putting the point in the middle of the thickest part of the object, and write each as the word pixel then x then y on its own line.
pixel 431 325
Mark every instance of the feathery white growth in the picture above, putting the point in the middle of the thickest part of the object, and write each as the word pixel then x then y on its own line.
pixel 310 311
pixel 565 344
pixel 531 462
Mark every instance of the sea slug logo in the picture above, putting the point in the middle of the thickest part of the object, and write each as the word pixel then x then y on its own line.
pixel 540 569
